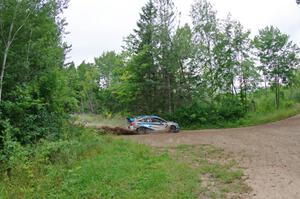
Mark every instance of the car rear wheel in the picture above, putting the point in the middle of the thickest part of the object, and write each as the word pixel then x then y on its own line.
pixel 142 130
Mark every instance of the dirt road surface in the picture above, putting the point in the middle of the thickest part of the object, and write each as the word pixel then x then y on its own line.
pixel 270 154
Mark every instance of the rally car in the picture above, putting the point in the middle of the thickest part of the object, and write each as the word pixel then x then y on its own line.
pixel 148 123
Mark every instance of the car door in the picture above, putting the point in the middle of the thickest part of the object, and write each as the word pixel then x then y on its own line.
pixel 144 122
pixel 158 124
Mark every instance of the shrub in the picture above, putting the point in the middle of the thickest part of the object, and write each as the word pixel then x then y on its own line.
pixel 12 153
pixel 55 152
pixel 199 113
pixel 230 108
pixel 32 120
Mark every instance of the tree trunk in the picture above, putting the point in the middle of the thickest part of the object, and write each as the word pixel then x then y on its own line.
pixel 169 94
pixel 277 97
pixel 3 70
pixel 81 105
pixel 91 105
pixel 7 46
pixel 10 39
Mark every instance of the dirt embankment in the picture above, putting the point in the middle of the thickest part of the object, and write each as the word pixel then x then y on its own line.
pixel 269 153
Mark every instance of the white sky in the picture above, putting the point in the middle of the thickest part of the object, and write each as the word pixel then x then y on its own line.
pixel 96 26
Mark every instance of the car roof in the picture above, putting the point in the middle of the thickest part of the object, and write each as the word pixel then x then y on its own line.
pixel 144 116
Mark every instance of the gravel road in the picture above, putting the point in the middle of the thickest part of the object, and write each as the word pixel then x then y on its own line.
pixel 269 153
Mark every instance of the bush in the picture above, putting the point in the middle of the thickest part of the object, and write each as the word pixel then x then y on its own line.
pixel 294 94
pixel 55 152
pixel 32 121
pixel 209 114
pixel 196 114
pixel 12 153
pixel 230 108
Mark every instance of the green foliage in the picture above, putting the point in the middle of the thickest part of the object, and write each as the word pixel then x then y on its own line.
pixel 106 119
pixel 230 108
pixel 109 65
pixel 91 166
pixel 35 93
pixel 200 113
pixel 203 114
pixel 59 152
pixel 12 153
pixel 205 74
pixel 279 58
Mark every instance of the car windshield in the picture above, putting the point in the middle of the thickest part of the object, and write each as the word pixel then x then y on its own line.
pixel 150 119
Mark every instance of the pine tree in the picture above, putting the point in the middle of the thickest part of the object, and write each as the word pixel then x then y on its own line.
pixel 167 69
pixel 142 67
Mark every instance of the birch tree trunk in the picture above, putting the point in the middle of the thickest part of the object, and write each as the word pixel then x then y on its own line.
pixel 6 51
pixel 8 42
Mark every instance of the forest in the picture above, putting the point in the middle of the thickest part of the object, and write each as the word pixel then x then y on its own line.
pixel 210 73
pixel 207 73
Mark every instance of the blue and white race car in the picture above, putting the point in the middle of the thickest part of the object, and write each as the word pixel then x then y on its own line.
pixel 146 124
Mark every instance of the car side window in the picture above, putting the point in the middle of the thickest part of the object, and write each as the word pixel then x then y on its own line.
pixel 142 120
pixel 156 120
pixel 145 120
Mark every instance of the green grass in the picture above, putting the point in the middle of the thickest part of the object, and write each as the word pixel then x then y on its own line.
pixel 265 111
pixel 93 120
pixel 98 166
pixel 94 166
pixel 220 174
pixel 265 107
pixel 257 118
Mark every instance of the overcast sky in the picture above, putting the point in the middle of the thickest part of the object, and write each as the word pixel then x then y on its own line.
pixel 96 26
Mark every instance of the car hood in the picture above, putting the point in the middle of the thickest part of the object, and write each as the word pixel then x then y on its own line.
pixel 173 123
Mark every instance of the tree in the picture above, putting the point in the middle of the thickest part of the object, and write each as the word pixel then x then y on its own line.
pixel 183 50
pixel 141 69
pixel 108 64
pixel 247 75
pixel 235 66
pixel 34 94
pixel 146 27
pixel 225 59
pixel 165 31
pixel 88 75
pixel 205 30
pixel 278 57
pixel 110 67
pixel 13 16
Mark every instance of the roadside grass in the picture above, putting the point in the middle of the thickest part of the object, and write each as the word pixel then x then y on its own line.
pixel 265 111
pixel 254 118
pixel 257 118
pixel 97 166
pixel 100 166
pixel 92 120
pixel 220 174
pixel 261 110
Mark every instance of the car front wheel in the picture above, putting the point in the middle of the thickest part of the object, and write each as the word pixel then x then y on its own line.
pixel 173 129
